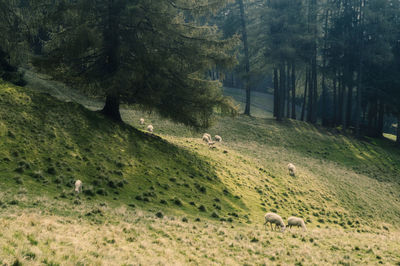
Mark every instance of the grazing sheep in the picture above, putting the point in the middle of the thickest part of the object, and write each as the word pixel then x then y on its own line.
pixel 78 186
pixel 141 121
pixel 295 221
pixel 292 169
pixel 211 144
pixel 150 128
pixel 207 137
pixel 275 219
pixel 218 138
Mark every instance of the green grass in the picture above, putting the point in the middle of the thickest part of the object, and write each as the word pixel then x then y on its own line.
pixel 261 104
pixel 346 190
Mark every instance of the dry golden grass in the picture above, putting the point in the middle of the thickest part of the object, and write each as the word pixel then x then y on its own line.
pixel 121 236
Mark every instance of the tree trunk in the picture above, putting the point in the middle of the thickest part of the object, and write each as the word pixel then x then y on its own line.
pixel 380 119
pixel 276 92
pixel 111 108
pixel 288 85
pixel 349 110
pixel 246 57
pixel 310 108
pixel 325 121
pixel 283 91
pixel 111 60
pixel 398 131
pixel 314 74
pixel 359 75
pixel 343 111
pixel 303 108
pixel 314 114
pixel 293 91
pixel 335 102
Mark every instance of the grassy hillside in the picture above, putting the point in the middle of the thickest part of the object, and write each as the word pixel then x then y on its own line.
pixel 167 198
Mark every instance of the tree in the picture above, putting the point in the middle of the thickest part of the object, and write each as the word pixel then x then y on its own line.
pixel 12 32
pixel 246 56
pixel 284 43
pixel 155 54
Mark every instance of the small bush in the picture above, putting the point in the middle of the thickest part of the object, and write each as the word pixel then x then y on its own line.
pixel 13 202
pixel 216 206
pixel 102 192
pixel 51 170
pixel 214 215
pixel 16 263
pixel 184 219
pixel 19 170
pixel 57 180
pixel 177 202
pixel 18 180
pixel 138 197
pixel 30 256
pixel 201 188
pixel 202 208
pixel 112 184
pixel 89 192
pixel 164 202
pixel 160 215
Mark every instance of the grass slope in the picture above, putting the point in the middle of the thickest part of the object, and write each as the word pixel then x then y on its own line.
pixel 173 200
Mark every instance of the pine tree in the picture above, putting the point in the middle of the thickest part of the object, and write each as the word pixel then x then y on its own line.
pixel 155 54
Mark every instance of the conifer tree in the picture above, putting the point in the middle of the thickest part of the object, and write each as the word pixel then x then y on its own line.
pixel 151 53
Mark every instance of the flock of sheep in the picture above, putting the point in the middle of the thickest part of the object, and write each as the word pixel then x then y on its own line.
pixel 270 217
pixel 207 138
pixel 273 218
pixel 150 128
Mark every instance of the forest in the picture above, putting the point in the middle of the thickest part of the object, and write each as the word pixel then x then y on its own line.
pixel 334 63
pixel 199 132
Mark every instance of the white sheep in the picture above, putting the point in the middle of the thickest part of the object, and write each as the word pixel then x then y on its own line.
pixel 295 221
pixel 211 144
pixel 78 186
pixel 207 137
pixel 292 169
pixel 273 218
pixel 150 128
pixel 218 138
pixel 141 121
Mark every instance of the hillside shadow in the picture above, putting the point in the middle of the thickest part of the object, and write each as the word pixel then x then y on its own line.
pixel 116 162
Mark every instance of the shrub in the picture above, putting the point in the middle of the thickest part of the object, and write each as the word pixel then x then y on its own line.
pixel 89 192
pixel 102 191
pixel 202 208
pixel 177 202
pixel 214 215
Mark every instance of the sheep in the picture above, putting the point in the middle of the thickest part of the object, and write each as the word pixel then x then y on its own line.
pixel 207 137
pixel 78 186
pixel 211 144
pixel 274 218
pixel 218 138
pixel 295 221
pixel 292 169
pixel 141 121
pixel 150 128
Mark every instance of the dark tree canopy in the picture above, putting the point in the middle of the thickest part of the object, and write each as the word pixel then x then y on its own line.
pixel 152 53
